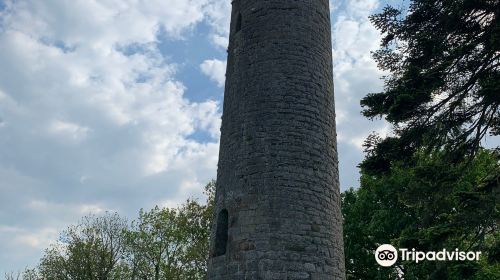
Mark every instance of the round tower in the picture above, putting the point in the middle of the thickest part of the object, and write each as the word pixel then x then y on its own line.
pixel 277 213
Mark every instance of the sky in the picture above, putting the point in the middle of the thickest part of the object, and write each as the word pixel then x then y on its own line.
pixel 115 105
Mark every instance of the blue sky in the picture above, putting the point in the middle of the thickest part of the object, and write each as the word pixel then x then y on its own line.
pixel 116 104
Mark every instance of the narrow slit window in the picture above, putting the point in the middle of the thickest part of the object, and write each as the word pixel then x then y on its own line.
pixel 238 23
pixel 221 234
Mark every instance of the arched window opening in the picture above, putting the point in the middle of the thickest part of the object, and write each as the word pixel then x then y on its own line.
pixel 221 234
pixel 238 23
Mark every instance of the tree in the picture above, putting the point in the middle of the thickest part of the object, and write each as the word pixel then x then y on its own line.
pixel 30 274
pixel 365 228
pixel 27 274
pixel 443 86
pixel 163 243
pixel 429 206
pixel 168 243
pixel 431 185
pixel 12 275
pixel 90 250
pixel 154 242
pixel 195 221
pixel 171 243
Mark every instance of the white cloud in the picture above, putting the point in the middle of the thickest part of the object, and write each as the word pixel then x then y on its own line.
pixel 38 240
pixel 67 129
pixel 220 41
pixel 215 69
pixel 96 75
pixel 218 14
pixel 96 209
pixel 361 8
pixel 7 229
pixel 81 22
pixel 54 208
pixel 91 72
pixel 355 75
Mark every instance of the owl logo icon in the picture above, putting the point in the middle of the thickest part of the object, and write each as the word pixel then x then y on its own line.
pixel 386 255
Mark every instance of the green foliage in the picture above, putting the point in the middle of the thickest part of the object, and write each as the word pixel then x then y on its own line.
pixel 162 243
pixel 170 243
pixel 89 250
pixel 443 87
pixel 431 185
pixel 430 206
pixel 155 243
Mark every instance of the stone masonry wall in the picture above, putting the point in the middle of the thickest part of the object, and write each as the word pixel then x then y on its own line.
pixel 277 174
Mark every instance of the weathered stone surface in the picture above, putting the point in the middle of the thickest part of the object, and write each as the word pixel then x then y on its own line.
pixel 277 174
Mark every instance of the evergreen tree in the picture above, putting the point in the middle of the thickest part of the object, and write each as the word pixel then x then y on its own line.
pixel 443 82
pixel 431 185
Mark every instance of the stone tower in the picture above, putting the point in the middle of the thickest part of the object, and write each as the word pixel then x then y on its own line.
pixel 277 210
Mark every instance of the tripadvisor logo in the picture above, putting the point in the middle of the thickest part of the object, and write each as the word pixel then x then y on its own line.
pixel 386 255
